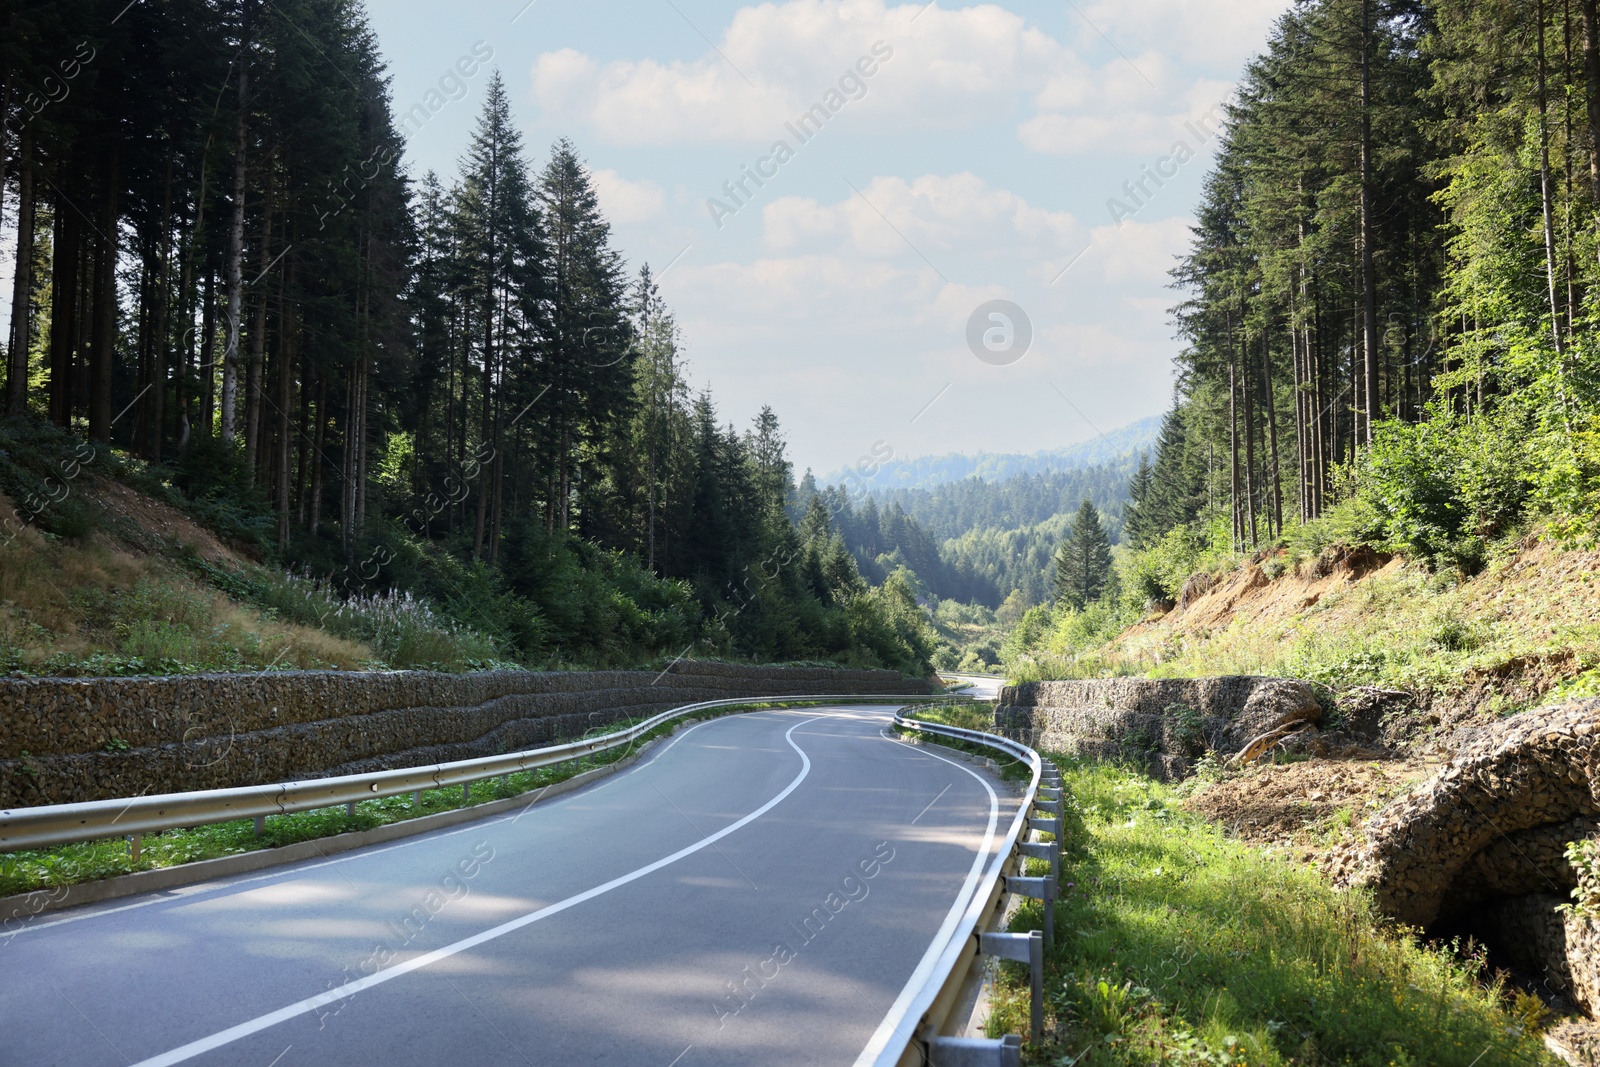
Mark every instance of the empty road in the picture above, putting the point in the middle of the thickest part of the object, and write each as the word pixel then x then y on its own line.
pixel 758 889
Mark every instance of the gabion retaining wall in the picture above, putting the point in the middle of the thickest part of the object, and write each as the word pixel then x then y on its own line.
pixel 1162 723
pixel 64 740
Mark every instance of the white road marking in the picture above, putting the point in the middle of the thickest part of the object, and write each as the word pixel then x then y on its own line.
pixel 185 893
pixel 921 975
pixel 350 989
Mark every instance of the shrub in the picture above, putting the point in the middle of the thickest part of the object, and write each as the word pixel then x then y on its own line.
pixel 1442 490
pixel 1159 572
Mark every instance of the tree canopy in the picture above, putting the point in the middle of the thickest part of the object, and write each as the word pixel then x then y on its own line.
pixel 449 384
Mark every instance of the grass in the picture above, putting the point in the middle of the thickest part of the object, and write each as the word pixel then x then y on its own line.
pixel 87 861
pixel 1527 623
pixel 90 607
pixel 1178 945
pixel 967 717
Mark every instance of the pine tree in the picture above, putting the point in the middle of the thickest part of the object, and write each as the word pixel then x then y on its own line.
pixel 1138 527
pixel 502 256
pixel 584 360
pixel 1083 563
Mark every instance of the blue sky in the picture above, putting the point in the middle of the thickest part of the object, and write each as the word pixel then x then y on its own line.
pixel 974 163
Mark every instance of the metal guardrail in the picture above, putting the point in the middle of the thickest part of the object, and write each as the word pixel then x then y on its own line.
pixel 60 824
pixel 914 1033
pixel 917 1029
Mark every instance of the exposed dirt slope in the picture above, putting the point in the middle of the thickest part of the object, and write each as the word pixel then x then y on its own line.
pixel 1418 660
pixel 144 523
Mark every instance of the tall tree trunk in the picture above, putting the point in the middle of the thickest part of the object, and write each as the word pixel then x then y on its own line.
pixel 486 455
pixel 208 351
pixel 497 509
pixel 1233 443
pixel 362 411
pixel 258 342
pixel 1322 441
pixel 63 312
pixel 1591 70
pixel 1357 365
pixel 318 450
pixel 347 487
pixel 230 356
pixel 1545 200
pixel 192 353
pixel 104 329
pixel 6 78
pixel 287 353
pixel 1369 299
pixel 22 282
pixel 1299 417
pixel 651 434
pixel 1249 431
pixel 144 316
pixel 303 458
pixel 157 407
pixel 1271 401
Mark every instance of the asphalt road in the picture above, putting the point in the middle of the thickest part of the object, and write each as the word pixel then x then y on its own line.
pixel 758 890
pixel 977 686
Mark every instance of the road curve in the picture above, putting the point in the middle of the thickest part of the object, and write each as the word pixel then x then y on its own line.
pixel 756 890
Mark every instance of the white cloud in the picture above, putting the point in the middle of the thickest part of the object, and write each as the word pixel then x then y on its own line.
pixel 1101 119
pixel 1215 34
pixel 930 215
pixel 1141 252
pixel 625 201
pixel 936 69
pixel 940 70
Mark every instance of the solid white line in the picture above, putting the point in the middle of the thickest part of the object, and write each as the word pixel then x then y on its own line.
pixel 184 894
pixel 350 989
pixel 920 976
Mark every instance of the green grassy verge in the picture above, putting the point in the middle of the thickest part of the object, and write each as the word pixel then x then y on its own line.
pixel 1178 945
pixel 87 861
pixel 966 717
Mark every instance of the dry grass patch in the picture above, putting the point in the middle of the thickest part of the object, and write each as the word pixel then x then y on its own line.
pixel 95 607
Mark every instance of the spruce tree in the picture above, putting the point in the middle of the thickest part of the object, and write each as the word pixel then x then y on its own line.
pixel 1137 523
pixel 1083 563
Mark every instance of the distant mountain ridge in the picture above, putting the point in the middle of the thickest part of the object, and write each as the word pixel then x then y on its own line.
pixel 926 472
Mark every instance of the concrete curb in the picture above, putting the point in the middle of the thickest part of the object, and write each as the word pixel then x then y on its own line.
pixel 23 906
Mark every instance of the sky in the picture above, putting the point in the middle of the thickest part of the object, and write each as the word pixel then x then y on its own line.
pixel 951 157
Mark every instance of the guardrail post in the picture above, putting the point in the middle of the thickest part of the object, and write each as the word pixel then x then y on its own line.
pixel 975 1052
pixel 466 792
pixel 261 824
pixel 1044 891
pixel 134 843
pixel 350 809
pixel 416 798
pixel 1024 948
pixel 1043 850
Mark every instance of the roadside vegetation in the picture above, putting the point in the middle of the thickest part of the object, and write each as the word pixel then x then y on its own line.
pixel 1453 420
pixel 1176 944
pixel 110 565
pixel 1522 629
pixel 444 399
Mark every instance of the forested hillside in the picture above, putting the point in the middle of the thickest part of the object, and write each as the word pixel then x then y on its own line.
pixel 1389 296
pixel 1387 309
pixel 931 472
pixel 974 540
pixel 450 385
